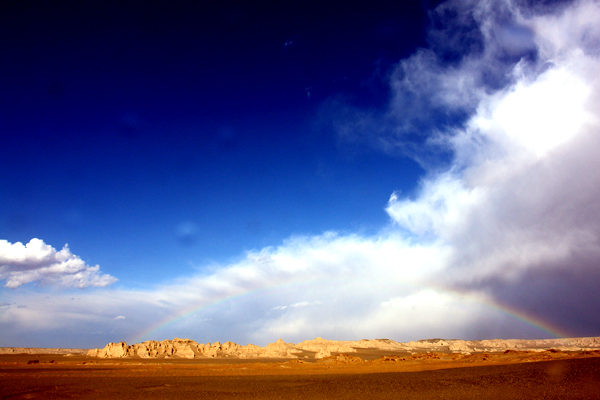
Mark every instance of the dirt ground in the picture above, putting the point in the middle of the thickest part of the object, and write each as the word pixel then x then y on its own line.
pixel 510 375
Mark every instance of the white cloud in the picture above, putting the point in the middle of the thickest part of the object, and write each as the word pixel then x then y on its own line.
pixel 426 308
pixel 520 193
pixel 120 317
pixel 38 262
pixel 299 304
pixel 537 116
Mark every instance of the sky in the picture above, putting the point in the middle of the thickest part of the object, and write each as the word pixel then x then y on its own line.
pixel 401 170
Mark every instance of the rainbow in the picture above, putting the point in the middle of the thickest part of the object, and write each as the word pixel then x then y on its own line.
pixel 513 313
pixel 531 320
pixel 539 324
pixel 193 309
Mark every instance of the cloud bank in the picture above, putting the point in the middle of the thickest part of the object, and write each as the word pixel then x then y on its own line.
pixel 516 205
pixel 500 240
pixel 38 262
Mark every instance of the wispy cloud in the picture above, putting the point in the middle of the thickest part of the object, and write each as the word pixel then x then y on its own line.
pixel 299 304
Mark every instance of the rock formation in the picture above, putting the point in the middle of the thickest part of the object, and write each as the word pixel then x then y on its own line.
pixel 320 348
pixel 321 345
pixel 317 348
pixel 499 345
pixel 186 348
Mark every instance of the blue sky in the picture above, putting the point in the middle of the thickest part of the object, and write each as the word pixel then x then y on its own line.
pixel 134 126
pixel 244 173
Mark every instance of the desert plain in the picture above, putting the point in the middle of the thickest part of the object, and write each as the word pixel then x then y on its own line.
pixel 314 369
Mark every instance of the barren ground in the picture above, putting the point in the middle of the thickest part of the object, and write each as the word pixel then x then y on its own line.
pixel 511 375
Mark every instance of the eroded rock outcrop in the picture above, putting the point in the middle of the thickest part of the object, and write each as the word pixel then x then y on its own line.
pixel 500 345
pixel 321 345
pixel 186 348
pixel 320 348
pixel 183 348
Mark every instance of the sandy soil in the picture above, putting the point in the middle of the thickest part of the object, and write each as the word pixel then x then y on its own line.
pixel 511 375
